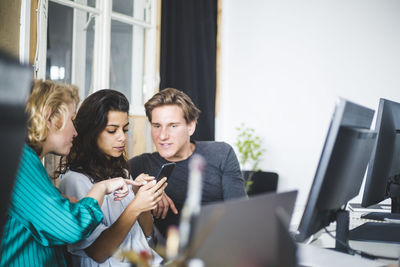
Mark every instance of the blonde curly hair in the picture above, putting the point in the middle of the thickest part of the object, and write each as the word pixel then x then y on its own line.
pixel 48 101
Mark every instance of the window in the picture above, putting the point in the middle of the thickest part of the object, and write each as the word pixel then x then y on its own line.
pixel 98 44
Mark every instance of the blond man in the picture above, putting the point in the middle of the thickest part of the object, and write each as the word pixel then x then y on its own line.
pixel 173 117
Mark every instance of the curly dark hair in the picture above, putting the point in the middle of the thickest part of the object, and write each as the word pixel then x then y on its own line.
pixel 85 156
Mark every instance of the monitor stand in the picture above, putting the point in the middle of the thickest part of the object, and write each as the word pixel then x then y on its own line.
pixel 381 216
pixel 376 232
pixel 384 231
pixel 394 191
pixel 342 231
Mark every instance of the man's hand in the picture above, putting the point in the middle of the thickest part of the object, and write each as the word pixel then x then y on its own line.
pixel 163 206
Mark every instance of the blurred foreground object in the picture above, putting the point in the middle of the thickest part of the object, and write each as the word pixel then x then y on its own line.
pixel 15 82
pixel 191 208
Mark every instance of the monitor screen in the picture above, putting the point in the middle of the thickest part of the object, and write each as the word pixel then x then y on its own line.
pixel 383 177
pixel 341 167
pixel 383 173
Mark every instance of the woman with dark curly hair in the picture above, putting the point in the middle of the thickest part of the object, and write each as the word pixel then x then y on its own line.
pixel 98 154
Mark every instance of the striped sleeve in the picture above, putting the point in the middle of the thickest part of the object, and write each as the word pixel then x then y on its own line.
pixel 50 217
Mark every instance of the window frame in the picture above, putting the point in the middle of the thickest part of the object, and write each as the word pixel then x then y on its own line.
pixel 103 15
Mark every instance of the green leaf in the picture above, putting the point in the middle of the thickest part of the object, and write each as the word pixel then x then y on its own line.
pixel 249 146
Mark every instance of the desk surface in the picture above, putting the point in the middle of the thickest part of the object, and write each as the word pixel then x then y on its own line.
pixel 310 255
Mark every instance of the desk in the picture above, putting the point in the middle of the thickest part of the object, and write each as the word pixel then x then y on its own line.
pixel 318 253
pixel 310 255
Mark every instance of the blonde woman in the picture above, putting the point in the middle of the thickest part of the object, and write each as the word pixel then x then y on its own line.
pixel 40 220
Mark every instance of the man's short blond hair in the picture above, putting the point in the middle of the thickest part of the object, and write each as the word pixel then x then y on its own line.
pixel 48 101
pixel 171 96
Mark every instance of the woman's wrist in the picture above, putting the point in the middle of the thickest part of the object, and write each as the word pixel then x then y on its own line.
pixel 134 209
pixel 103 187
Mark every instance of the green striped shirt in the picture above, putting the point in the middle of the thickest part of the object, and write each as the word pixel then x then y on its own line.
pixel 40 220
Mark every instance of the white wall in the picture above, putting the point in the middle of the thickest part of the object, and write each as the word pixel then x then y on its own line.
pixel 284 63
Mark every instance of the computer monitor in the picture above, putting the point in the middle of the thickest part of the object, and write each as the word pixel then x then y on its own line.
pixel 340 171
pixel 14 89
pixel 246 232
pixel 383 176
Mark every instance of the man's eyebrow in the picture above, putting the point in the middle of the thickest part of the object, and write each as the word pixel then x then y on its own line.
pixel 169 123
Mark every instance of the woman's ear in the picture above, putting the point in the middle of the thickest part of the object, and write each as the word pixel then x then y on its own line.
pixel 51 125
pixel 46 116
pixel 54 123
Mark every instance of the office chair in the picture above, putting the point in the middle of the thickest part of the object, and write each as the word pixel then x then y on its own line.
pixel 263 182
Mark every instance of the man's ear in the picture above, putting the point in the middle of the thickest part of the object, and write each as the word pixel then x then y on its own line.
pixel 192 127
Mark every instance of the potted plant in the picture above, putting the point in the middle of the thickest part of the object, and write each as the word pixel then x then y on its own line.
pixel 250 150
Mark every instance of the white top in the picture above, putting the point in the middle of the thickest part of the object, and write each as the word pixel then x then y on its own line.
pixel 78 185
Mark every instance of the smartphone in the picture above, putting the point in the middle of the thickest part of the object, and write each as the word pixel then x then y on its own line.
pixel 166 170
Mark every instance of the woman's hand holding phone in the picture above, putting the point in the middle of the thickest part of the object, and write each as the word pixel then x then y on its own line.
pixel 150 194
pixel 141 180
